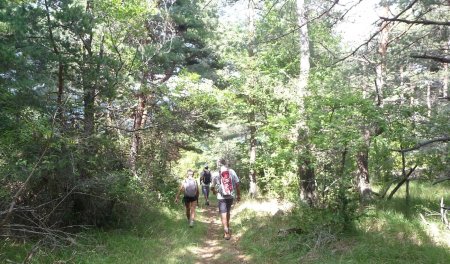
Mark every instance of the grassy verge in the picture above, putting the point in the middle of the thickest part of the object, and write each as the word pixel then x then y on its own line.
pixel 162 236
pixel 390 232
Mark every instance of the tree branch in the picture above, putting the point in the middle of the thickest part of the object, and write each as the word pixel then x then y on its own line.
pixel 422 144
pixel 432 57
pixel 441 180
pixel 417 22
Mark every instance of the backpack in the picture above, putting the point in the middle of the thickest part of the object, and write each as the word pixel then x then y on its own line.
pixel 206 177
pixel 225 183
pixel 190 188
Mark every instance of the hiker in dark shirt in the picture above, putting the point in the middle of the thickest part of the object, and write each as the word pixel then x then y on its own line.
pixel 205 180
pixel 190 188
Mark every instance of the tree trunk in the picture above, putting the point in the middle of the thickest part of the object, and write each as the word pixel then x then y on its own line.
pixel 362 156
pixel 307 177
pixel 304 48
pixel 139 113
pixel 382 51
pixel 251 100
pixel 60 92
pixel 429 98
pixel 89 93
pixel 305 167
pixel 252 141
pixel 362 162
pixel 445 81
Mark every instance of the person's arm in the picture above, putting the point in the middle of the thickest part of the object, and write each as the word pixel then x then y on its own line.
pixel 238 189
pixel 178 193
pixel 213 186
pixel 202 178
pixel 198 192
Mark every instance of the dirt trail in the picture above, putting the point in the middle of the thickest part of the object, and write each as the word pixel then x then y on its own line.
pixel 214 248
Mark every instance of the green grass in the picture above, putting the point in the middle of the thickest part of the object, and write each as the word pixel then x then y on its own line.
pixel 163 236
pixel 389 232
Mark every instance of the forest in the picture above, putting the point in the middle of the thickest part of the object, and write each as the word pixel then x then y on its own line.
pixel 338 111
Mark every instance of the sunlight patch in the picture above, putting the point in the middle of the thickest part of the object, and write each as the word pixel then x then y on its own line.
pixel 270 207
pixel 437 234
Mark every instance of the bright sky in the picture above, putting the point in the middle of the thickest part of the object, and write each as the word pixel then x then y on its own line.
pixel 355 29
pixel 359 22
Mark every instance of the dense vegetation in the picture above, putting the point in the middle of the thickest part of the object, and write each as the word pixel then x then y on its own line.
pixel 104 104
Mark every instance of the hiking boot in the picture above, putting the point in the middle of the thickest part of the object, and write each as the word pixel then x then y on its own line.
pixel 191 223
pixel 207 203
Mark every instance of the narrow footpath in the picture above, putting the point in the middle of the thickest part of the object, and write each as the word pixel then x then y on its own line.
pixel 214 248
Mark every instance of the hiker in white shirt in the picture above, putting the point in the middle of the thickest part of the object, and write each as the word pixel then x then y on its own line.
pixel 225 185
pixel 190 198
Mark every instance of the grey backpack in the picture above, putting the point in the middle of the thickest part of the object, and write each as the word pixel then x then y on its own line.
pixel 190 188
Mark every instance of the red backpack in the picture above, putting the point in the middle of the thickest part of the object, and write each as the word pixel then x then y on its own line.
pixel 226 183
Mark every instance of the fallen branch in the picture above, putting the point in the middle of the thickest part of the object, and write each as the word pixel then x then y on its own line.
pixel 384 192
pixel 288 231
pixel 402 182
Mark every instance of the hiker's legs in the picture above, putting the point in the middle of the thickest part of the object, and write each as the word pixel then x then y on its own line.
pixel 193 204
pixel 222 203
pixel 207 193
pixel 223 217
pixel 204 191
pixel 229 204
pixel 224 210
pixel 188 210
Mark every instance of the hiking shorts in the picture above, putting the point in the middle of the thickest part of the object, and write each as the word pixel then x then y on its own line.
pixel 187 200
pixel 205 190
pixel 225 205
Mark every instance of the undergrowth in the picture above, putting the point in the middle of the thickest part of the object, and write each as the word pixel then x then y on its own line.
pixel 161 235
pixel 385 232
